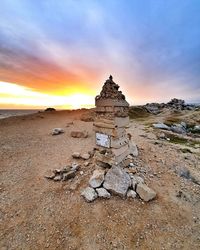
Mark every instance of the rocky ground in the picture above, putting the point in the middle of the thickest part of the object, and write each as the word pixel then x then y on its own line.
pixel 37 213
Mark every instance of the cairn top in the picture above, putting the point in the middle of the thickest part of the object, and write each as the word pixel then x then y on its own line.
pixel 110 91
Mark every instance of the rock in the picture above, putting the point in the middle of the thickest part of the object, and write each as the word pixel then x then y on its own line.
pixel 79 134
pixel 197 128
pixel 75 166
pixel 131 165
pixel 69 175
pixel 81 172
pixel 76 155
pixel 89 194
pixel 117 181
pixel 86 163
pixel 49 109
pixel 133 149
pixel 145 192
pixel 97 178
pixel 183 124
pixel 131 194
pixel 133 183
pixel 49 174
pixel 178 129
pixel 161 126
pixel 57 131
pixel 162 136
pixel 57 178
pixel 85 156
pixel 103 193
pixel 139 179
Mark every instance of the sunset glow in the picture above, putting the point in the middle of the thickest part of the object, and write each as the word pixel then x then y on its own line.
pixel 59 53
pixel 23 97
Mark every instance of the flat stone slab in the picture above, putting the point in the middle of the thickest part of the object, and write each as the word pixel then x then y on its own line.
pixel 117 181
pixel 145 192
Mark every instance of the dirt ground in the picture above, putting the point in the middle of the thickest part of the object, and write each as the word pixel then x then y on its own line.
pixel 36 213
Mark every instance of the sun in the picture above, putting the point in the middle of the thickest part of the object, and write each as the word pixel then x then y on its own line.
pixel 77 101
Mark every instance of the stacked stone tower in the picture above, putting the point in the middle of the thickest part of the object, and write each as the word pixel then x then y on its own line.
pixel 112 141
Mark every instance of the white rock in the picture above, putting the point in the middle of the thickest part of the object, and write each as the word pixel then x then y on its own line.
pixel 57 131
pixel 76 155
pixel 161 126
pixel 81 172
pixel 85 156
pixel 97 178
pixel 117 181
pixel 131 194
pixel 103 193
pixel 145 192
pixel 89 194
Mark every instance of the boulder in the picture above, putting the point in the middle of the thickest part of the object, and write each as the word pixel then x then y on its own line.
pixel 57 131
pixel 131 194
pixel 79 134
pixel 97 178
pixel 76 155
pixel 117 181
pixel 103 193
pixel 89 194
pixel 145 192
pixel 161 126
pixel 85 156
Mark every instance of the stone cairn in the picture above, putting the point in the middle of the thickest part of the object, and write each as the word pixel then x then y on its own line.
pixel 114 150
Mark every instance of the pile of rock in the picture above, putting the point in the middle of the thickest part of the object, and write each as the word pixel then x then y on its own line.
pixel 174 104
pixel 179 128
pixel 116 181
pixel 63 174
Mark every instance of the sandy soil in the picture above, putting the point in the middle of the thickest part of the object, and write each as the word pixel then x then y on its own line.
pixel 37 214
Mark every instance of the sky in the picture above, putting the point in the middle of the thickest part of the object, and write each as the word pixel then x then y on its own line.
pixel 59 53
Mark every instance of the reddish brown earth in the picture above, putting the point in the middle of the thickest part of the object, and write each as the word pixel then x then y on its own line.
pixel 36 213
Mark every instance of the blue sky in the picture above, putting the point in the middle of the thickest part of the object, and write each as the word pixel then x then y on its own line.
pixel 151 47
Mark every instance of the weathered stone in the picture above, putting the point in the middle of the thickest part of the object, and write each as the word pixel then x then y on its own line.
pixel 79 134
pixel 117 181
pixel 103 193
pixel 131 194
pixel 57 131
pixel 139 179
pixel 89 194
pixel 133 149
pixel 133 182
pixel 97 178
pixel 49 174
pixel 75 166
pixel 69 175
pixel 57 178
pixel 178 129
pixel 76 155
pixel 161 126
pixel 85 156
pixel 86 163
pixel 145 192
